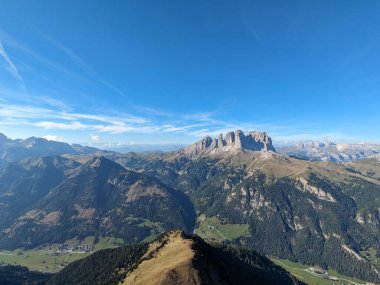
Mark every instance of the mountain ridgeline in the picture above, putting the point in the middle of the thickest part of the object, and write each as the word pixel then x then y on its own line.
pixel 52 199
pixel 15 150
pixel 330 151
pixel 173 258
pixel 319 213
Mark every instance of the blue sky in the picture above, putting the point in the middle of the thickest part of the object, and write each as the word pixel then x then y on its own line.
pixel 110 73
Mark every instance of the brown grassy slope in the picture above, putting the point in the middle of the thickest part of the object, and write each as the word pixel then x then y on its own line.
pixel 172 264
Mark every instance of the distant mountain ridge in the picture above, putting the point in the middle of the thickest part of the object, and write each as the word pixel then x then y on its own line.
pixel 18 149
pixel 146 148
pixel 330 151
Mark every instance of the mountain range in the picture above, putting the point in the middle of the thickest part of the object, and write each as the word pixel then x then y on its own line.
pixel 52 199
pixel 15 150
pixel 330 151
pixel 316 212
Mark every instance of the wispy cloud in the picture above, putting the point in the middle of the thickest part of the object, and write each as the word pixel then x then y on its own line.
pixel 16 44
pixel 152 111
pixel 193 126
pixel 46 112
pixel 48 125
pixel 25 112
pixel 53 102
pixel 95 138
pixel 53 138
pixel 107 118
pixel 55 119
pixel 10 66
pixel 76 59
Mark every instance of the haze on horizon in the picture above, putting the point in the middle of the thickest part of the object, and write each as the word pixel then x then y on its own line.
pixel 108 73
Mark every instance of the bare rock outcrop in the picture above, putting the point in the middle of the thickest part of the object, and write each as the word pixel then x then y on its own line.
pixel 254 141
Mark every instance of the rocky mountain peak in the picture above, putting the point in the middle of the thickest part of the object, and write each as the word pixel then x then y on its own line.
pixel 254 141
pixel 99 162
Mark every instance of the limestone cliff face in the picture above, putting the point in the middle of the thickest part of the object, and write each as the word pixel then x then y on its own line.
pixel 221 142
pixel 254 141
pixel 230 138
pixel 261 140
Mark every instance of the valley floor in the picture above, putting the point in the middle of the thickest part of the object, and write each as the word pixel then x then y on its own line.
pixel 308 275
pixel 42 259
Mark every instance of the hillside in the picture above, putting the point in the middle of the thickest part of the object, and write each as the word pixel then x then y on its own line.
pixel 174 258
pixel 16 275
pixel 52 199
pixel 320 213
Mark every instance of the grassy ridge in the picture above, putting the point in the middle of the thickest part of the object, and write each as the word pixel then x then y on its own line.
pixel 174 258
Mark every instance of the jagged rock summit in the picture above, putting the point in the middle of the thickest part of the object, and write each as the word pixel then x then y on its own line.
pixel 254 141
